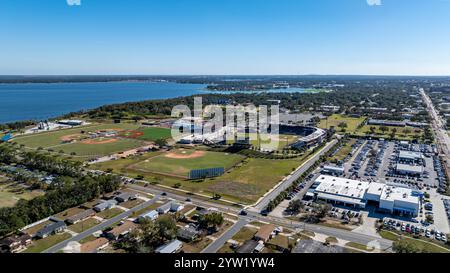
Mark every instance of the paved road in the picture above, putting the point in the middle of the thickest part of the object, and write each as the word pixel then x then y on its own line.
pixel 255 216
pixel 442 137
pixel 101 226
pixel 291 179
pixel 227 235
pixel 198 202
pixel 329 231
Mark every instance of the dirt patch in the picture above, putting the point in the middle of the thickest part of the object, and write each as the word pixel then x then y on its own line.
pixel 178 155
pixel 71 137
pixel 245 191
pixel 98 141
pixel 131 134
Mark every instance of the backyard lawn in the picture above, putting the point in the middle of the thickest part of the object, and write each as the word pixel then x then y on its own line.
pixel 42 244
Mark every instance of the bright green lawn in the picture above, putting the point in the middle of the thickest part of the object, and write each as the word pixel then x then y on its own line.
pixel 163 164
pixel 154 133
pixel 53 138
pixel 257 140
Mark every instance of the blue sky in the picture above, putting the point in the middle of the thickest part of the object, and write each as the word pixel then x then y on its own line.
pixel 399 37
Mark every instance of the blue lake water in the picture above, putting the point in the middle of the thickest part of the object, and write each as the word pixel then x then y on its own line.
pixel 42 101
pixel 36 101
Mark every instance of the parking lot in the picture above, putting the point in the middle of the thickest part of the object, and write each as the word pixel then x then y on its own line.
pixel 414 229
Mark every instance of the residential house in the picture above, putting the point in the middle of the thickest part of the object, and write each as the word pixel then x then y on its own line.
pixel 126 196
pixel 94 246
pixel 188 234
pixel 54 228
pixel 170 207
pixel 120 230
pixel 265 233
pixel 248 247
pixel 105 205
pixel 80 217
pixel 152 216
pixel 171 247
pixel 15 243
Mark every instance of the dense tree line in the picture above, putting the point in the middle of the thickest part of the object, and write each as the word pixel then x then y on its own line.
pixel 65 194
pixel 40 161
pixel 354 98
pixel 15 126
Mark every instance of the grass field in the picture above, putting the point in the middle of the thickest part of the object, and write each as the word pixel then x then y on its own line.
pixel 43 244
pixel 154 133
pixel 409 134
pixel 253 178
pixel 336 119
pixel 344 151
pixel 10 193
pixel 109 213
pixel 53 138
pixel 169 163
pixel 427 246
pixel 54 141
pixel 84 225
pixel 283 140
pixel 245 183
pixel 245 234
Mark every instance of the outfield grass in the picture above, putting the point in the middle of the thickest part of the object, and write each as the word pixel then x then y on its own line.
pixel 178 166
pixel 336 119
pixel 245 183
pixel 258 140
pixel 253 178
pixel 43 244
pixel 98 150
pixel 155 133
pixel 10 193
pixel 53 138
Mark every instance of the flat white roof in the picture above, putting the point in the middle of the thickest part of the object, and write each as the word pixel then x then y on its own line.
pixel 409 168
pixel 391 193
pixel 334 168
pixel 348 200
pixel 376 188
pixel 410 155
pixel 342 186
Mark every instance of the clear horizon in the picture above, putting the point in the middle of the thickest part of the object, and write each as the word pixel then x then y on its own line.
pixel 225 37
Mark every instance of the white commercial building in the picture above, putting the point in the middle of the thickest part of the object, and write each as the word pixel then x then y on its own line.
pixel 341 191
pixel 328 169
pixel 409 157
pixel 399 200
pixel 354 193
pixel 406 169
